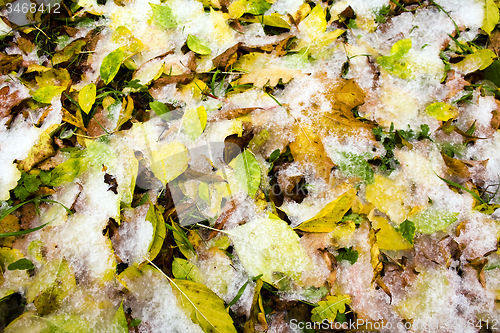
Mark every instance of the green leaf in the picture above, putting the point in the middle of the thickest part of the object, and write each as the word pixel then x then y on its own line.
pixel 186 270
pixel 431 220
pixel 160 109
pixel 50 286
pixel 356 218
pixel 274 155
pixel 407 229
pixel 492 73
pixel 348 254
pixel 135 322
pixel 67 323
pixel 163 16
pixel 441 111
pixel 479 60
pixel 491 16
pixel 86 97
pixel 354 165
pixel 48 93
pixel 397 63
pixel 21 264
pixel 268 246
pixel 67 171
pixel 111 64
pixel 326 220
pixel 119 321
pixel 328 309
pixel 247 172
pixel 203 306
pixel 194 122
pixel 182 241
pixel 198 45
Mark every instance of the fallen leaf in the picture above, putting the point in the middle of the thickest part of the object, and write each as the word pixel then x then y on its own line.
pixel 326 220
pixel 86 97
pixel 203 306
pixel 328 309
pixel 247 172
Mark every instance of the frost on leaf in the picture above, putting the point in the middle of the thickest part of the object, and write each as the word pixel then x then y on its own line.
pixel 169 161
pixel 268 246
pixel 397 63
pixel 194 122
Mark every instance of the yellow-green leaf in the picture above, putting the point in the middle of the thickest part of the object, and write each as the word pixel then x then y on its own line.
pixel 159 231
pixel 48 93
pixel 68 52
pixel 491 16
pixel 442 111
pixel 51 285
pixel 198 45
pixel 479 60
pixel 182 241
pixel 397 63
pixel 163 16
pixel 326 220
pixel 186 270
pixel 111 64
pixel 203 306
pixel 328 309
pixel 119 321
pixel 254 7
pixel 270 247
pixel 86 97
pixel 169 161
pixel 247 172
pixel 432 220
pixel 194 122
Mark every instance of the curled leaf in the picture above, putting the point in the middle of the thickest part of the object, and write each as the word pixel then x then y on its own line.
pixel 479 60
pixel 491 16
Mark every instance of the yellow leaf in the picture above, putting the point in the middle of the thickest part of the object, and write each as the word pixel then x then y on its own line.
pixel 125 111
pixel 74 48
pixel 269 75
pixel 388 238
pixel 479 60
pixel 314 24
pixel 159 231
pixel 491 16
pixel 308 150
pixel 86 97
pixel 169 161
pixel 388 197
pixel 203 306
pixel 326 220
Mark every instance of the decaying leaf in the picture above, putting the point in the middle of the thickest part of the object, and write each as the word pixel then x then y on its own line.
pixel 52 284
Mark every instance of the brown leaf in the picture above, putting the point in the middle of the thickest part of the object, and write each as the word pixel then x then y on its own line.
pixel 226 113
pixel 281 48
pixel 478 265
pixel 25 45
pixel 223 59
pixel 494 44
pixel 9 63
pixel 182 79
pixel 8 101
pixel 495 119
pixel 70 30
pixel 456 166
pixel 228 211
